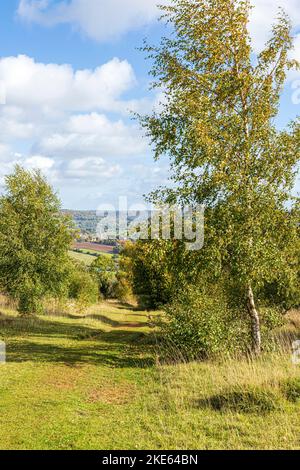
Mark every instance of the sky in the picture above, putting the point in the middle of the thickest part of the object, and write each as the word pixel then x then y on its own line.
pixel 71 75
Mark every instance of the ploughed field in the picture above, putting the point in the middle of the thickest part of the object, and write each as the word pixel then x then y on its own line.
pixel 93 247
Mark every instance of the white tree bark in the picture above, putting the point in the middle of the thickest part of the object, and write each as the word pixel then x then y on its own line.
pixel 255 322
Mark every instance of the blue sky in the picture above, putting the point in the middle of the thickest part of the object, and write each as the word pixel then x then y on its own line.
pixel 71 73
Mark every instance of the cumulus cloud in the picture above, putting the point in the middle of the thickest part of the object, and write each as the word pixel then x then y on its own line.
pixel 60 107
pixel 84 170
pixel 93 134
pixel 91 168
pixel 264 15
pixel 37 161
pixel 9 159
pixel 98 19
pixel 59 115
pixel 101 20
pixel 62 116
pixel 32 84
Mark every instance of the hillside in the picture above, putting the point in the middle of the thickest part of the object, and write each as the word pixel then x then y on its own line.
pixel 86 221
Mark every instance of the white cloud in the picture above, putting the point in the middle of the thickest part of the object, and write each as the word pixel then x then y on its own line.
pixel 9 159
pixel 93 135
pixel 56 116
pixel 13 127
pixel 91 168
pixel 81 170
pixel 264 15
pixel 31 84
pixel 37 161
pixel 101 20
pixel 58 108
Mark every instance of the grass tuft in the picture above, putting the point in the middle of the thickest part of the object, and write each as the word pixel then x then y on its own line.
pixel 251 399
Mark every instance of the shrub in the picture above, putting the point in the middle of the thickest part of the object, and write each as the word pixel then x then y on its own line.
pixel 103 270
pixel 156 269
pixel 147 272
pixel 29 302
pixel 83 286
pixel 271 318
pixel 284 293
pixel 123 290
pixel 291 389
pixel 200 324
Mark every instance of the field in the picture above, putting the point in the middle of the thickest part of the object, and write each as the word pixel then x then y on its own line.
pixel 94 381
pixel 83 257
pixel 87 257
pixel 95 253
pixel 93 248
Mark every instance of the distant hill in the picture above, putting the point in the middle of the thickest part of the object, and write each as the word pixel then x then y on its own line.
pixel 87 221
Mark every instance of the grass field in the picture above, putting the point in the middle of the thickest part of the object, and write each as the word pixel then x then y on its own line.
pixel 97 253
pixel 94 382
pixel 85 258
pixel 93 247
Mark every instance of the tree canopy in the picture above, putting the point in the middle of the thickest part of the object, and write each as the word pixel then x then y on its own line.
pixel 34 240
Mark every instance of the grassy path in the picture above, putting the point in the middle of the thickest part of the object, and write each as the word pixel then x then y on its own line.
pixel 72 382
pixel 89 382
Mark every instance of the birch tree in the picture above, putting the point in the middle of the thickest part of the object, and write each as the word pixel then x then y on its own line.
pixel 217 125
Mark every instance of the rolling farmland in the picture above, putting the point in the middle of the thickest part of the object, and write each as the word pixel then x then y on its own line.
pixel 93 247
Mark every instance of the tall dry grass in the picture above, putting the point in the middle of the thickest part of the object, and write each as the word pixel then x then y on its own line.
pixel 231 403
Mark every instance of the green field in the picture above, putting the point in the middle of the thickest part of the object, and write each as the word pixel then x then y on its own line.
pixel 94 382
pixel 85 258
pixel 95 252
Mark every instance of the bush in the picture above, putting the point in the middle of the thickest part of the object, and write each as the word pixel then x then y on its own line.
pixel 271 318
pixel 250 399
pixel 30 303
pixel 103 270
pixel 83 286
pixel 155 269
pixel 123 290
pixel 145 265
pixel 284 293
pixel 200 324
pixel 291 389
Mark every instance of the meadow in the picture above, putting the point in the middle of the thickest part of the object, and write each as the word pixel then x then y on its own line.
pixel 87 256
pixel 96 381
pixel 82 257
